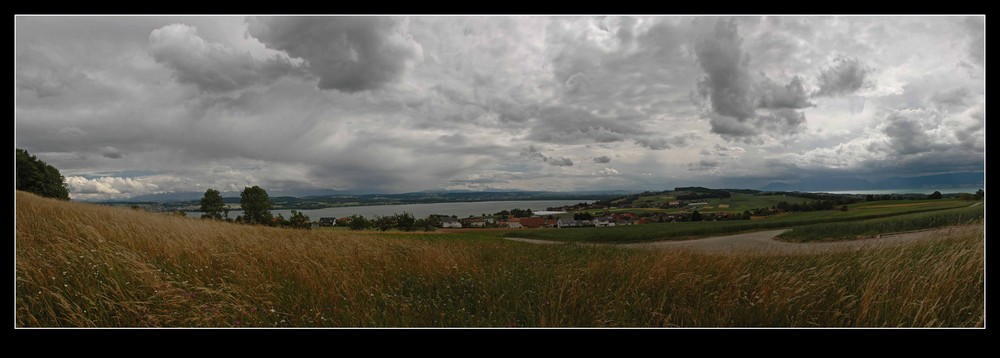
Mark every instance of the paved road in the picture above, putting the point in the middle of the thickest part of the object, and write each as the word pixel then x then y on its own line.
pixel 762 242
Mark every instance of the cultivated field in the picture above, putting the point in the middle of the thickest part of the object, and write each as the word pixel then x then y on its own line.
pixel 936 213
pixel 83 265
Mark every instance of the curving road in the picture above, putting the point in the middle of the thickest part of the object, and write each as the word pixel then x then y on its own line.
pixel 763 242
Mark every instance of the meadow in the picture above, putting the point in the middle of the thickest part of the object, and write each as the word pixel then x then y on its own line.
pixel 83 265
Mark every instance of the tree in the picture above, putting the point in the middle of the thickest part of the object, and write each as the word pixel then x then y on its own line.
pixel 299 220
pixel 746 215
pixel 935 195
pixel 212 205
pixel 980 194
pixel 695 216
pixel 38 177
pixel 358 222
pixel 256 205
pixel 405 221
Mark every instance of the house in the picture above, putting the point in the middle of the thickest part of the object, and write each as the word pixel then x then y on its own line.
pixel 675 203
pixel 551 222
pixel 327 222
pixel 450 222
pixel 566 222
pixel 474 222
pixel 344 221
pixel 532 223
pixel 603 221
pixel 514 223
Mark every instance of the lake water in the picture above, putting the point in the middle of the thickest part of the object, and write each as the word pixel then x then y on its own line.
pixel 420 210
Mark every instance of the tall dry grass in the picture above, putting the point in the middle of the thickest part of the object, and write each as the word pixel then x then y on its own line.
pixel 82 265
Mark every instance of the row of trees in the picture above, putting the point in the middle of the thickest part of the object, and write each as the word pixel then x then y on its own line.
pixel 403 222
pixel 256 205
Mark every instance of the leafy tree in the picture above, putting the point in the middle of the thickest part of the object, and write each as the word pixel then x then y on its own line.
pixel 358 222
pixel 405 221
pixel 695 216
pixel 212 205
pixel 256 205
pixel 980 194
pixel 935 195
pixel 384 223
pixel 746 215
pixel 35 176
pixel 299 220
pixel 583 216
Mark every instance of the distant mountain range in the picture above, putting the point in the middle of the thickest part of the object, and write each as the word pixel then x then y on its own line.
pixel 938 181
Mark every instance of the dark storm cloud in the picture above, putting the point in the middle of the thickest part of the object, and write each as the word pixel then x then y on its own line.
pixel 347 53
pixel 844 76
pixel 533 153
pixel 211 66
pixel 735 97
pixel 602 159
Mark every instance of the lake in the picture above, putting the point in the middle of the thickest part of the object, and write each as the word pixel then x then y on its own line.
pixel 420 210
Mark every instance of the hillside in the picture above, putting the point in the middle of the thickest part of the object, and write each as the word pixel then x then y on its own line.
pixel 84 265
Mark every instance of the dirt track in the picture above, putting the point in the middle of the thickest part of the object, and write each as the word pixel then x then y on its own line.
pixel 763 242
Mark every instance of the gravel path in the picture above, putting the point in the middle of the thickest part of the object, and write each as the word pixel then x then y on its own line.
pixel 763 242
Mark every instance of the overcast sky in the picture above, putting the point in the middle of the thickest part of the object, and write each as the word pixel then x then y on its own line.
pixel 132 105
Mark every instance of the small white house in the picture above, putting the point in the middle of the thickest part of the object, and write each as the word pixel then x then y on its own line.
pixel 603 221
pixel 566 222
pixel 450 222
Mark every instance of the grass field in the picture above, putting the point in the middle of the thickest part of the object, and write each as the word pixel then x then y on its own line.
pixel 83 265
pixel 687 230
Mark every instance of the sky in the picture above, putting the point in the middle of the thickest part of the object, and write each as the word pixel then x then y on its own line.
pixel 134 105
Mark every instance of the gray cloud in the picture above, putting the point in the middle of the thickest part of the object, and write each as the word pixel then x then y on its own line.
pixel 533 153
pixel 792 95
pixel 660 143
pixel 955 99
pixel 976 26
pixel 569 125
pixel 907 135
pixel 602 159
pixel 734 96
pixel 844 76
pixel 111 152
pixel 560 161
pixel 728 83
pixel 703 165
pixel 347 53
pixel 211 66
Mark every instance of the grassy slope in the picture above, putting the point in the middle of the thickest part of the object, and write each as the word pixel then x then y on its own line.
pixel 87 265
pixel 686 230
